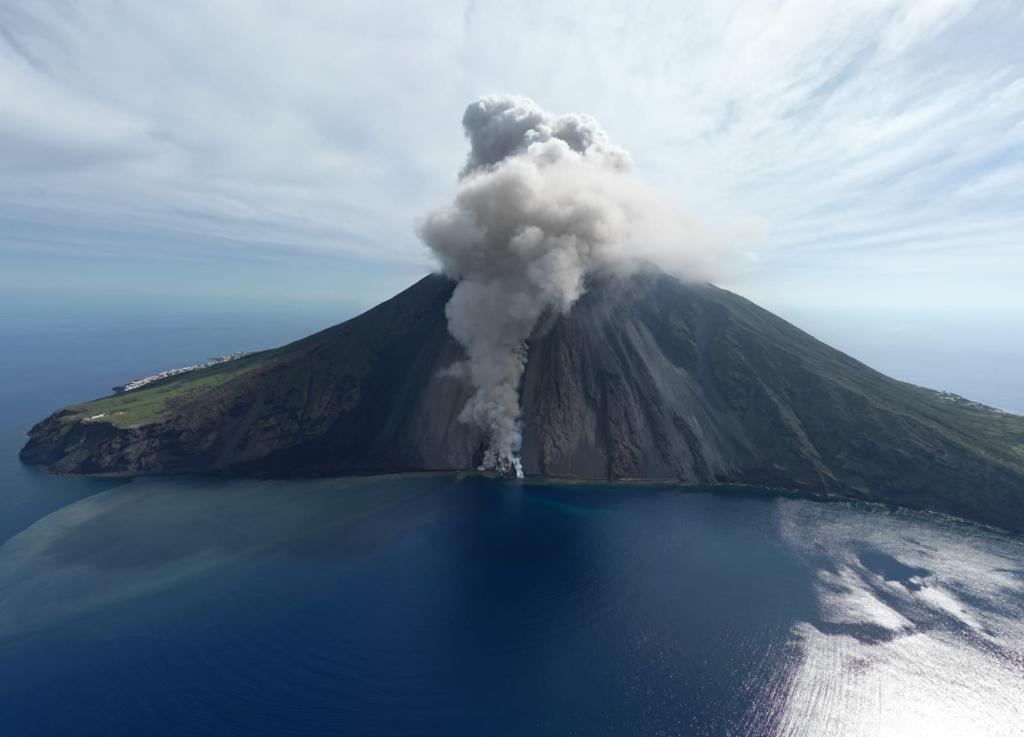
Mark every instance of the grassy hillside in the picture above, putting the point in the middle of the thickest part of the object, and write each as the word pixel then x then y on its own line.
pixel 156 402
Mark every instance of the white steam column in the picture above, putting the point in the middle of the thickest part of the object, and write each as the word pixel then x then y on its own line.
pixel 542 201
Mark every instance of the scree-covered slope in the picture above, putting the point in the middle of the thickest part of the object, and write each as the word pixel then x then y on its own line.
pixel 646 378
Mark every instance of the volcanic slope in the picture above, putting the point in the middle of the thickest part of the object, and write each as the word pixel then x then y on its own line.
pixel 646 378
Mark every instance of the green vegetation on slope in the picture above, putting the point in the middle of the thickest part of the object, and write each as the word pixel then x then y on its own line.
pixel 155 402
pixel 986 431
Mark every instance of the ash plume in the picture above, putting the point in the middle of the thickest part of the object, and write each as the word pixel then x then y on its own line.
pixel 543 201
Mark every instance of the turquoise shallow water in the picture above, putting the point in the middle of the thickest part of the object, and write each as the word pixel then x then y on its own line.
pixel 426 605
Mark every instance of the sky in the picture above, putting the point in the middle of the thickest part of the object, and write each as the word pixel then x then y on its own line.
pixel 867 155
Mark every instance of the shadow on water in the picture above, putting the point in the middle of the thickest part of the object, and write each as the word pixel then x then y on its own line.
pixel 891 569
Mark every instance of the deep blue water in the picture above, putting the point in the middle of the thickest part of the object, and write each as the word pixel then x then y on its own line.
pixel 49 361
pixel 427 605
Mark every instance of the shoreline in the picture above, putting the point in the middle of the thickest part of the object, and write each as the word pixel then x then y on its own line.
pixel 541 481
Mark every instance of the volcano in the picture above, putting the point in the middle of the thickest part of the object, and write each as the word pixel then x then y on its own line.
pixel 646 378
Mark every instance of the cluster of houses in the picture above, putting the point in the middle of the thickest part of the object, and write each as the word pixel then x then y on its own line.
pixel 139 383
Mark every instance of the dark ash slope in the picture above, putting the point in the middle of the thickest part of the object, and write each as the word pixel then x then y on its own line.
pixel 646 378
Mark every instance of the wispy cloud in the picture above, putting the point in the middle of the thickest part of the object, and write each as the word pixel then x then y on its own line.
pixel 872 143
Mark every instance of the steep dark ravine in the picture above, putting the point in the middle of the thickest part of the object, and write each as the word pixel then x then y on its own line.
pixel 646 378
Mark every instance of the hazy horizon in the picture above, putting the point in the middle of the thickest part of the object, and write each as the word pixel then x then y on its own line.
pixel 865 158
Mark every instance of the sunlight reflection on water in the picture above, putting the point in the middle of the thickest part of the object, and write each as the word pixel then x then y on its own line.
pixel 411 606
pixel 937 653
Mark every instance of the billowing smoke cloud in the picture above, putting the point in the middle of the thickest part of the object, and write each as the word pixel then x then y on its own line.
pixel 543 201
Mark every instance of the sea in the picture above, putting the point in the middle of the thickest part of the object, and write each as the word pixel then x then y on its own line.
pixel 434 605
